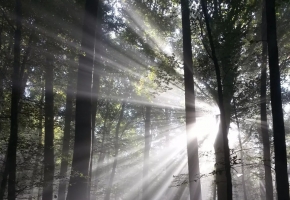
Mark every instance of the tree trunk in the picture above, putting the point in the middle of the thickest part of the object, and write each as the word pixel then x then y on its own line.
pixel 48 160
pixel 108 190
pixel 21 92
pixel 263 109
pixel 66 139
pixel 276 103
pixel 241 152
pixel 220 176
pixel 37 157
pixel 192 143
pixel 145 187
pixel 79 180
pixel 95 89
pixel 223 134
pixel 15 96
pixel 102 155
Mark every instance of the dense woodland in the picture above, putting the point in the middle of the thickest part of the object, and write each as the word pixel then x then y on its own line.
pixel 144 99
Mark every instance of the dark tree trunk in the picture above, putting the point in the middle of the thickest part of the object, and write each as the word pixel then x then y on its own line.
pixel 66 139
pixel 15 96
pixel 224 124
pixel 276 103
pixel 48 160
pixel 145 187
pixel 192 143
pixel 220 176
pixel 263 107
pixel 79 180
pixel 108 190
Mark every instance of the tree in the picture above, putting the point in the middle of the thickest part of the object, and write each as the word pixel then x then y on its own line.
pixel 78 188
pixel 276 104
pixel 15 96
pixel 109 187
pixel 66 139
pixel 190 115
pixel 48 161
pixel 223 133
pixel 263 110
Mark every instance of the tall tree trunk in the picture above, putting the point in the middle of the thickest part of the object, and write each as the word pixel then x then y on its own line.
pixel 40 146
pixel 48 160
pixel 145 187
pixel 79 180
pixel 276 103
pixel 192 143
pixel 95 87
pixel 241 152
pixel 223 134
pixel 108 190
pixel 263 108
pixel 66 139
pixel 15 96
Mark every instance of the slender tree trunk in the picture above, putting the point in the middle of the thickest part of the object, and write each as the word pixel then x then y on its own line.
pixel 79 180
pixel 40 146
pixel 95 88
pixel 15 96
pixel 95 91
pixel 263 109
pixel 102 154
pixel 145 187
pixel 108 190
pixel 192 143
pixel 241 152
pixel 66 140
pixel 48 161
pixel 276 103
pixel 224 124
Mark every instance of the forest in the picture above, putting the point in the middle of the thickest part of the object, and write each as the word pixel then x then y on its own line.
pixel 144 99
